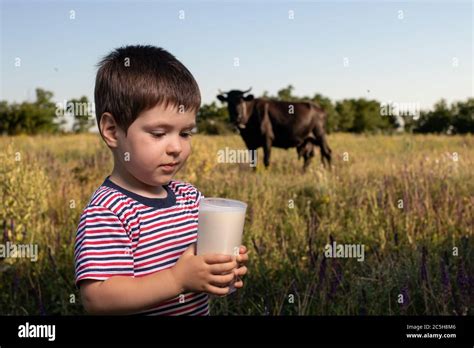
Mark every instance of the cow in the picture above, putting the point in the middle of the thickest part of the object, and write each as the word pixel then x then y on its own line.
pixel 266 123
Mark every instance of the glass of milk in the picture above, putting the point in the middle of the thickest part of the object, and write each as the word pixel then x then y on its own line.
pixel 220 227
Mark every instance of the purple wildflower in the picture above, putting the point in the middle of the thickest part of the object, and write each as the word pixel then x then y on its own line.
pixel 42 310
pixel 322 271
pixel 12 228
pixel 406 298
pixel 462 281
pixel 424 272
pixel 335 281
pixel 5 231
pixel 446 285
pixel 363 303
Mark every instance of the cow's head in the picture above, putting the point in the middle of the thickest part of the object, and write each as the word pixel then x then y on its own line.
pixel 239 111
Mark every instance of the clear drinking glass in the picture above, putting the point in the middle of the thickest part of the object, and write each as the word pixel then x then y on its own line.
pixel 221 224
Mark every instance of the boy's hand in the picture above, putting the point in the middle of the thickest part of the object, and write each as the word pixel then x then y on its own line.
pixel 241 270
pixel 212 273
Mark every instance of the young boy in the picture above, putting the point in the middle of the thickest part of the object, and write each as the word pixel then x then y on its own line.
pixel 135 243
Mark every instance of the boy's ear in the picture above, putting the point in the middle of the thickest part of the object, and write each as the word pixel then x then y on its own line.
pixel 108 128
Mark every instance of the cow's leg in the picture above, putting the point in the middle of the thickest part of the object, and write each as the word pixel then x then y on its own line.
pixel 318 142
pixel 306 150
pixel 325 150
pixel 267 149
pixel 300 149
pixel 323 145
pixel 307 155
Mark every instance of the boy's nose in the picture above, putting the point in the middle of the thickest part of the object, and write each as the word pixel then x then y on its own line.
pixel 174 146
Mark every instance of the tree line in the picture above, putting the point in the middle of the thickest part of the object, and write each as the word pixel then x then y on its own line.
pixel 349 115
pixel 43 115
pixel 364 116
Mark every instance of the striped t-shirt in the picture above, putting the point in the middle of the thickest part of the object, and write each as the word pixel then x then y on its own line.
pixel 123 233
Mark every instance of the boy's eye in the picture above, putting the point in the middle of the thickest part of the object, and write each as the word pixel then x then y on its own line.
pixel 159 135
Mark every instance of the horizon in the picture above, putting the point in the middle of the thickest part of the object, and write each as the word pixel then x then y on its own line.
pixel 363 49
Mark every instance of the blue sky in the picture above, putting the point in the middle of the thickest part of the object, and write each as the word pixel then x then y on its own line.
pixel 407 59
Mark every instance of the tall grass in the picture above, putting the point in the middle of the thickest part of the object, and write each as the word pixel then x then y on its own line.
pixel 404 198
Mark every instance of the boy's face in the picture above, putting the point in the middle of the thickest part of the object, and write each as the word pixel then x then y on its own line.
pixel 157 137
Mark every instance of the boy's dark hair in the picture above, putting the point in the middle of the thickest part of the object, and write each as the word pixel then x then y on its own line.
pixel 133 79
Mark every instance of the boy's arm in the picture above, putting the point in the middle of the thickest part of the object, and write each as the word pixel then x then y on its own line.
pixel 126 295
pixel 108 286
pixel 211 273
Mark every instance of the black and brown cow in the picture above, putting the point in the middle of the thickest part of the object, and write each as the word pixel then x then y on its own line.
pixel 266 123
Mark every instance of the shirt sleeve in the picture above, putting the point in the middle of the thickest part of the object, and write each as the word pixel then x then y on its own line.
pixel 103 247
pixel 199 196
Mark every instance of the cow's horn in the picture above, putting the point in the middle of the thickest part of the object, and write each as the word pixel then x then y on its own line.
pixel 221 92
pixel 248 90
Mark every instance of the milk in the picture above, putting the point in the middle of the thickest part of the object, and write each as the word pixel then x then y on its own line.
pixel 221 223
pixel 220 227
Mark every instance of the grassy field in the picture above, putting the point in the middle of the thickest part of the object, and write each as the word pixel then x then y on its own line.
pixel 407 199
